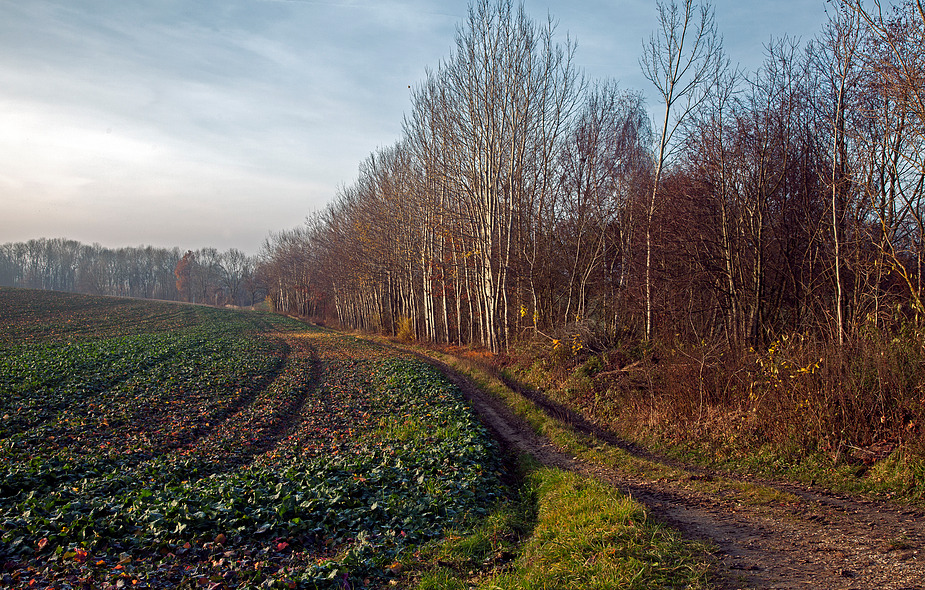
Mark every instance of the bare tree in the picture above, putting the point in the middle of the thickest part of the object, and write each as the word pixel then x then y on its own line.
pixel 508 89
pixel 235 267
pixel 841 39
pixel 681 59
pixel 183 271
pixel 599 166
pixel 895 177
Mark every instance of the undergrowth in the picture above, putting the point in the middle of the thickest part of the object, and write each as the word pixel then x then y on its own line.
pixel 850 417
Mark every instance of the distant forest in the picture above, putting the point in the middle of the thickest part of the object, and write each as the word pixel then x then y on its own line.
pixel 202 276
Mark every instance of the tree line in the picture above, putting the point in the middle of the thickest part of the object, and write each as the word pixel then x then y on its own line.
pixel 201 276
pixel 525 199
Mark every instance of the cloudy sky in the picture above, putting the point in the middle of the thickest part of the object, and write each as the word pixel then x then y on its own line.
pixel 197 123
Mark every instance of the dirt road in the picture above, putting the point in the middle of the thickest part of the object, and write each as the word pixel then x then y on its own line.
pixel 815 540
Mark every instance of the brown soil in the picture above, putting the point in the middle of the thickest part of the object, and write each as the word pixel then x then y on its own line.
pixel 821 540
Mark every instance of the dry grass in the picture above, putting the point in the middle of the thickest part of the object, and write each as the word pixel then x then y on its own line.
pixel 799 407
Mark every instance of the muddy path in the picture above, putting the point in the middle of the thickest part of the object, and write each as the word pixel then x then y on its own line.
pixel 815 540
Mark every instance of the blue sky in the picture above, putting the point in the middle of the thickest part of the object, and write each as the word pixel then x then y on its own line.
pixel 214 122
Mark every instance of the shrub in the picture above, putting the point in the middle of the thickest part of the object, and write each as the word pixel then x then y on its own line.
pixel 800 398
pixel 405 330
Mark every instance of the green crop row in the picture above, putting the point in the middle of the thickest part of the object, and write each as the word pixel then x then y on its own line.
pixel 238 449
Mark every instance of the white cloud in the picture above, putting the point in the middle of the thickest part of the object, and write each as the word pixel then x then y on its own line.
pixel 198 123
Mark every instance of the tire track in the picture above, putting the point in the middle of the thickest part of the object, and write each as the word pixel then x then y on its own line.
pixel 823 541
pixel 257 422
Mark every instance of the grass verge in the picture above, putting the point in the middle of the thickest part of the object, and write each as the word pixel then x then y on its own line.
pixel 566 531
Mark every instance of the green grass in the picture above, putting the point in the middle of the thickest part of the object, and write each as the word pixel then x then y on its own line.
pixel 568 531
pixel 588 535
pixel 900 476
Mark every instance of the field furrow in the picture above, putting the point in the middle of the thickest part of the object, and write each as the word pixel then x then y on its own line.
pixel 212 448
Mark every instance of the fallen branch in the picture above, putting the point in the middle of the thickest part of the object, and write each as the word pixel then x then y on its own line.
pixel 626 369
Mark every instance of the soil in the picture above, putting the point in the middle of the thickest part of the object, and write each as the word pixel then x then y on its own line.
pixel 822 541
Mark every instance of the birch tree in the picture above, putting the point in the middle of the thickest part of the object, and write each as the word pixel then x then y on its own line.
pixel 681 59
pixel 508 85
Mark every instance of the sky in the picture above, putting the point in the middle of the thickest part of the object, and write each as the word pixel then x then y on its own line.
pixel 195 123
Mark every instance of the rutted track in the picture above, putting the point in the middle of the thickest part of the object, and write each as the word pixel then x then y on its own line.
pixel 821 540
